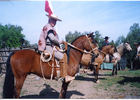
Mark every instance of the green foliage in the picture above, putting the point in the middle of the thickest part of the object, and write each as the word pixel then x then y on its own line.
pixel 125 78
pixel 99 38
pixel 10 36
pixel 121 39
pixel 70 37
pixel 133 36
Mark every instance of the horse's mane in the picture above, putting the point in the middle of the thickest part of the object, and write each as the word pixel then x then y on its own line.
pixel 68 49
pixel 76 38
pixel 81 36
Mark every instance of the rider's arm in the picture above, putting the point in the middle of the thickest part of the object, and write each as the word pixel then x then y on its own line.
pixel 53 38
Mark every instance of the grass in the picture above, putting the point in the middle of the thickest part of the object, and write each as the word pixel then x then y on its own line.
pixel 124 78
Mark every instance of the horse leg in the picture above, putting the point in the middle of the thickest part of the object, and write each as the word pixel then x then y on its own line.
pixel 94 70
pixel 116 68
pixel 96 74
pixel 18 85
pixel 63 90
pixel 113 70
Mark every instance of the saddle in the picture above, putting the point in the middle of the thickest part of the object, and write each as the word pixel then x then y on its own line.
pixel 46 57
pixel 86 59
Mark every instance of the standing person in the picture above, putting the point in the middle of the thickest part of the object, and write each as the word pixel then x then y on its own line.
pixel 106 41
pixel 48 39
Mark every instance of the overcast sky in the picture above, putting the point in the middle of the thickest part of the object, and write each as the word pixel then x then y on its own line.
pixel 110 18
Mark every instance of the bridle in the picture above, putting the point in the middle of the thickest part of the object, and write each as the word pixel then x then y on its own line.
pixel 66 43
pixel 105 53
pixel 93 49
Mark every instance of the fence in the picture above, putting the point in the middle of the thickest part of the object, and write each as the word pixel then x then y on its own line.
pixel 4 54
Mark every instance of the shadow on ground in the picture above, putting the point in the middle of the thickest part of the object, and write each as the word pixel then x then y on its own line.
pixel 51 93
pixel 129 79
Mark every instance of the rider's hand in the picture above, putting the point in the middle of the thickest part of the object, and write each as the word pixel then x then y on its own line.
pixel 60 41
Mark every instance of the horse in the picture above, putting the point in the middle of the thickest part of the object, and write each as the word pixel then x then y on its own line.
pixel 136 62
pixel 122 48
pixel 24 62
pixel 109 49
pixel 138 50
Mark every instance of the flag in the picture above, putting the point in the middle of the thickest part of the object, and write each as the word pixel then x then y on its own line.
pixel 49 10
pixel 48 7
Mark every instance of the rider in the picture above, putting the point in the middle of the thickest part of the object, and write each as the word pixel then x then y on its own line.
pixel 106 41
pixel 112 60
pixel 48 39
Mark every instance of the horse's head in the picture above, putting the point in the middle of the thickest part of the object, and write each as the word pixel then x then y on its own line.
pixel 127 46
pixel 109 49
pixel 91 44
pixel 138 50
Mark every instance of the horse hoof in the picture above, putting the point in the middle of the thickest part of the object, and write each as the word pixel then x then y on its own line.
pixel 98 81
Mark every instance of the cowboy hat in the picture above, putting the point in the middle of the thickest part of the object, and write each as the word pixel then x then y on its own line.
pixel 106 37
pixel 53 17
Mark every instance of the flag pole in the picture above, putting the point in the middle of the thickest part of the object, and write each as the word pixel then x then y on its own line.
pixel 50 4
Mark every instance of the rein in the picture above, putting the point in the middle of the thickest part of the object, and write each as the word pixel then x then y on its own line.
pixel 104 53
pixel 90 45
pixel 79 49
pixel 66 43
pixel 83 50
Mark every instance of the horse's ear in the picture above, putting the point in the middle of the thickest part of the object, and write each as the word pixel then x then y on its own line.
pixel 91 34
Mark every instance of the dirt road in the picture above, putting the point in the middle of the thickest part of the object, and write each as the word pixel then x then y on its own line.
pixel 82 87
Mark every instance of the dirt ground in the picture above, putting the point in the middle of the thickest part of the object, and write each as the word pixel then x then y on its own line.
pixel 82 87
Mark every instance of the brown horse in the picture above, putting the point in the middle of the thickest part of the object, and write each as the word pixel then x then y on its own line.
pixel 109 49
pixel 24 62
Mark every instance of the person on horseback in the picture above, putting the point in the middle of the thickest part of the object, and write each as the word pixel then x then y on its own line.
pixel 106 41
pixel 112 60
pixel 48 40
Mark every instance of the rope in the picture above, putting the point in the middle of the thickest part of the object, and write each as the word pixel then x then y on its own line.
pixel 42 71
pixel 80 49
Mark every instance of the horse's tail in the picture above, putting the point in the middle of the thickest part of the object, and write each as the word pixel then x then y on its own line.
pixel 8 88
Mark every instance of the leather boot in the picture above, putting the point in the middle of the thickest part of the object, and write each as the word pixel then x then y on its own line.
pixel 63 69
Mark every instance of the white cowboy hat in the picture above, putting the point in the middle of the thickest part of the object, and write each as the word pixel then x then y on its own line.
pixel 54 17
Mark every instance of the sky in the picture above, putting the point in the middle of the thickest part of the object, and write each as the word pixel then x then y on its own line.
pixel 110 18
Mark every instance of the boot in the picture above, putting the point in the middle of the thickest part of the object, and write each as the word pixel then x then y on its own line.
pixel 63 69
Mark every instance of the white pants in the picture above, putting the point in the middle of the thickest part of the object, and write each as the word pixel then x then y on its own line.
pixel 58 55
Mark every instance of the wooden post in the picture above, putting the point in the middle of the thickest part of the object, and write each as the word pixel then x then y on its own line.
pixel 131 65
pixel 0 69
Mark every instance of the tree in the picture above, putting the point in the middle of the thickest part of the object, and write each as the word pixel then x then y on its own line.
pixel 10 36
pixel 70 37
pixel 99 38
pixel 121 39
pixel 133 36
